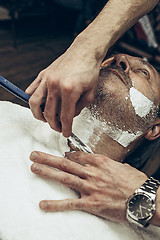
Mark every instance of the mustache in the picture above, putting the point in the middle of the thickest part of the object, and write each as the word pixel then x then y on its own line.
pixel 100 94
pixel 117 70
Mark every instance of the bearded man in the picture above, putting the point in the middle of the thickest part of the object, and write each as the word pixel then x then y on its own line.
pixel 124 116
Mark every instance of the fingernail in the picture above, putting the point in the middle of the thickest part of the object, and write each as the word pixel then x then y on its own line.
pixel 34 156
pixel 43 205
pixel 35 168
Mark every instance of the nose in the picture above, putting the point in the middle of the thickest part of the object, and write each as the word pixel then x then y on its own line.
pixel 123 62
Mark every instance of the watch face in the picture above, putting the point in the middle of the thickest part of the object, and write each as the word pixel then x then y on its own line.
pixel 141 206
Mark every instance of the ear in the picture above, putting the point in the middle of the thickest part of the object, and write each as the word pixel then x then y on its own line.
pixel 154 132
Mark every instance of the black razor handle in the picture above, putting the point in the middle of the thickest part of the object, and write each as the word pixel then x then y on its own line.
pixel 17 91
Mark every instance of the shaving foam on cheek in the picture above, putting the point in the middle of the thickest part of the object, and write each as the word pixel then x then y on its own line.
pixel 142 105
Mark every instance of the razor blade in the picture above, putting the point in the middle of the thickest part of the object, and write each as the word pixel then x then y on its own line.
pixel 19 93
pixel 77 143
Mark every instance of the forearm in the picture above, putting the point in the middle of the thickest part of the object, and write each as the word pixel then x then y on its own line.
pixel 115 18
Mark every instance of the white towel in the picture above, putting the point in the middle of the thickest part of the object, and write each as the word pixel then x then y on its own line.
pixel 21 190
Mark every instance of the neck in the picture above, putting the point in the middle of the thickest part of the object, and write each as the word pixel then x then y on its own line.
pixel 102 139
pixel 107 146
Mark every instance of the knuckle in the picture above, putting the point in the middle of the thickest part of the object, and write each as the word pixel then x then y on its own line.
pixel 70 205
pixel 99 160
pixel 45 160
pixel 32 101
pixel 42 73
pixel 66 180
pixel 41 76
pixel 68 88
pixel 97 204
pixel 63 165
pixel 92 175
pixel 53 82
pixel 82 185
pixel 45 73
pixel 127 165
pixel 92 188
pixel 47 115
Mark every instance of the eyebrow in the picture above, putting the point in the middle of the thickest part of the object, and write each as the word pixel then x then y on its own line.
pixel 145 63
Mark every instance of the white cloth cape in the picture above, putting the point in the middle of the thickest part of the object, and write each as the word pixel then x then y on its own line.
pixel 21 190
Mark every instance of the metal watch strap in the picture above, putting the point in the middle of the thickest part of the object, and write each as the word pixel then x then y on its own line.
pixel 151 185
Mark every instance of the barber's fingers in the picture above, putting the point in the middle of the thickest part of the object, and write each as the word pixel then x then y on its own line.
pixel 84 158
pixel 60 163
pixel 51 107
pixel 36 99
pixel 78 157
pixel 33 86
pixel 69 97
pixel 62 205
pixel 64 178
pixel 86 99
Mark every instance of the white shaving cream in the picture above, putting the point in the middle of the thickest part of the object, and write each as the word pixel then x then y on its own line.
pixel 124 138
pixel 85 124
pixel 141 103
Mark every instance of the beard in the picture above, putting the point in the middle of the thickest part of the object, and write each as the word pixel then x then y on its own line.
pixel 112 104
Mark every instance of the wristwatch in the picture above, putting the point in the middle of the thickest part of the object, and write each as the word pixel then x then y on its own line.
pixel 141 205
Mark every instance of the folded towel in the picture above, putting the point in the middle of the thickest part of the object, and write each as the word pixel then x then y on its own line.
pixel 21 190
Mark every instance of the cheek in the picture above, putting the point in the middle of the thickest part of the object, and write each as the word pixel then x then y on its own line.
pixel 115 88
pixel 143 86
pixel 142 105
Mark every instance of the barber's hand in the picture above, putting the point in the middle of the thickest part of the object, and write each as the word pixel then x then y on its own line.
pixel 68 84
pixel 104 185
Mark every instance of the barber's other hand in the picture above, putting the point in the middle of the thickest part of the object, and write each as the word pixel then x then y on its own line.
pixel 68 84
pixel 104 185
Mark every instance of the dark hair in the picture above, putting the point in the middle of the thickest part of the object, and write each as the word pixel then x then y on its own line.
pixel 158 114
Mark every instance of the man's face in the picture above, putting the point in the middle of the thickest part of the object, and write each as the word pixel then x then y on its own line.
pixel 128 94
